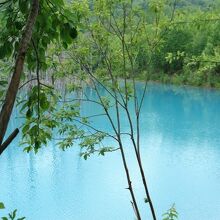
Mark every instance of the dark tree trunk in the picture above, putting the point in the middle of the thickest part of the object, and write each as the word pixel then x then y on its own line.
pixel 8 105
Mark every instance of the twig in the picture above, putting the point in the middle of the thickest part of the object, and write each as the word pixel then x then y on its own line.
pixel 27 83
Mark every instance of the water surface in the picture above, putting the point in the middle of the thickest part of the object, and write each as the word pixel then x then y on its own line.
pixel 181 156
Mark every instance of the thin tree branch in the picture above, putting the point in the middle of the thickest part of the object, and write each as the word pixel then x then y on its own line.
pixel 27 83
pixel 11 137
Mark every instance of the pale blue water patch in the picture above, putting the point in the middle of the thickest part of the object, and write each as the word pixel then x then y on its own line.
pixel 181 156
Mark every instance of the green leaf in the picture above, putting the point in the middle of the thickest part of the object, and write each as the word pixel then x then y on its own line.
pixel 22 6
pixel 3 82
pixel 85 156
pixel 44 104
pixel 65 45
pixel 27 149
pixel 73 33
pixel 34 130
pixel 102 152
pixel 2 206
pixel 65 33
pixel 14 213
pixel 25 128
pixel 18 25
pixel 59 2
pixel 29 113
pixel 3 52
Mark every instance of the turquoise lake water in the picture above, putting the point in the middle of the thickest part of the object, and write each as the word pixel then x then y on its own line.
pixel 180 129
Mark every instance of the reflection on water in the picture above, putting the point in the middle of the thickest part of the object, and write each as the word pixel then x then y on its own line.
pixel 181 155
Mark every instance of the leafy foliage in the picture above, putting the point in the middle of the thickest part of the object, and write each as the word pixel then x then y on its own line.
pixel 188 53
pixel 39 124
pixel 12 215
pixel 153 42
pixel 55 22
pixel 171 214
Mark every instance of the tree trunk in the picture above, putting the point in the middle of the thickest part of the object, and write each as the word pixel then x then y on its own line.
pixel 8 105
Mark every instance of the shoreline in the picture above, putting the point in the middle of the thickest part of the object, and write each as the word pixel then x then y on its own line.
pixel 180 85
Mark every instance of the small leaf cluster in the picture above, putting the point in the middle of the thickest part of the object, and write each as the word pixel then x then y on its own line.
pixel 38 126
pixel 174 56
pixel 106 102
pixel 45 119
pixel 73 129
pixel 90 142
pixel 12 215
pixel 68 129
pixel 171 214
